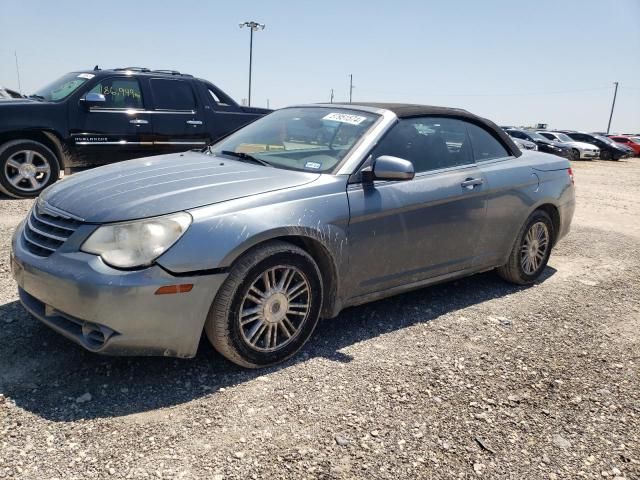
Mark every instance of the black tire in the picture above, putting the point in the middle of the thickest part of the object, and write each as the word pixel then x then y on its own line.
pixel 605 155
pixel 223 326
pixel 575 154
pixel 14 152
pixel 513 271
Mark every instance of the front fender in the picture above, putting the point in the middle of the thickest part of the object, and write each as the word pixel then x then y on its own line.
pixel 220 233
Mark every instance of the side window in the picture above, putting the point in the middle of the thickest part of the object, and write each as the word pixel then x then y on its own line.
pixel 172 94
pixel 550 136
pixel 430 143
pixel 485 146
pixel 517 134
pixel 217 99
pixel 120 92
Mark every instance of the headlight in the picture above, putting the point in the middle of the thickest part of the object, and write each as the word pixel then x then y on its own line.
pixel 138 243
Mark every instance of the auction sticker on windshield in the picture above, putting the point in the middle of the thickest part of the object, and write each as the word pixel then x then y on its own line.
pixel 345 118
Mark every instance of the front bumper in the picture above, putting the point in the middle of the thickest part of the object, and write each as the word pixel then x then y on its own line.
pixel 589 154
pixel 112 311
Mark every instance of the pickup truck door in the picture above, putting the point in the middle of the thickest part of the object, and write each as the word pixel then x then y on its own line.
pixel 179 122
pixel 119 129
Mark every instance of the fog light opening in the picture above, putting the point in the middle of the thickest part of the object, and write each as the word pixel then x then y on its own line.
pixel 95 335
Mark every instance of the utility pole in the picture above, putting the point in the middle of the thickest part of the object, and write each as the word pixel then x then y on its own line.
pixel 350 87
pixel 253 26
pixel 15 52
pixel 615 92
pixel 267 103
pixel 331 98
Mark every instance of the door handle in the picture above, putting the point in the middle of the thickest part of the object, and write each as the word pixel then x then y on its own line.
pixel 194 122
pixel 470 183
pixel 139 121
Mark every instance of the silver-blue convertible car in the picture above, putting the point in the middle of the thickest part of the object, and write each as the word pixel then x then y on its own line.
pixel 294 217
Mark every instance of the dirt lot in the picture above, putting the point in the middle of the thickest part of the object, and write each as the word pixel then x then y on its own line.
pixel 475 378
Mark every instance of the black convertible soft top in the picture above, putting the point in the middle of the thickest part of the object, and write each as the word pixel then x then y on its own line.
pixel 408 110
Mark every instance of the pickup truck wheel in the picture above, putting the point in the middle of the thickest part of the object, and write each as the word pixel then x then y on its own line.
pixel 531 251
pixel 26 168
pixel 268 307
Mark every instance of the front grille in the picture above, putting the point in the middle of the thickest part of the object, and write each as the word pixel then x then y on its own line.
pixel 44 233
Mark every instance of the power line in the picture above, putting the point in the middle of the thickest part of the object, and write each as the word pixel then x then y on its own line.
pixel 512 94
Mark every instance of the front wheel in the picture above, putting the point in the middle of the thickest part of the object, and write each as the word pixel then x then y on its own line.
pixel 26 168
pixel 268 306
pixel 531 252
pixel 575 154
pixel 605 155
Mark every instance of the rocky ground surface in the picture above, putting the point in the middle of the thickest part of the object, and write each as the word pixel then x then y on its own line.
pixel 472 379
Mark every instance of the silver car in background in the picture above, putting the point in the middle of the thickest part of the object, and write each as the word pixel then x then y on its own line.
pixel 579 150
pixel 307 211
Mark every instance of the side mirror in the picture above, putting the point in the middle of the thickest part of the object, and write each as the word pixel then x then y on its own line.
pixel 93 99
pixel 387 167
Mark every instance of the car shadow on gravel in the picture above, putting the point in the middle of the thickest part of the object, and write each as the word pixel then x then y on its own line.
pixel 46 374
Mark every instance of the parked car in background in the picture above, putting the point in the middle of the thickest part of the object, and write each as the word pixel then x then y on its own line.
pixel 258 237
pixel 7 93
pixel 631 142
pixel 579 150
pixel 608 149
pixel 95 117
pixel 544 144
pixel 524 144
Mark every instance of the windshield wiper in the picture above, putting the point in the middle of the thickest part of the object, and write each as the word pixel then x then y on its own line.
pixel 39 97
pixel 246 157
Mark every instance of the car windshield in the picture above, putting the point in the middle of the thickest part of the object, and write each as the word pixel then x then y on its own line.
pixel 605 139
pixel 635 139
pixel 537 136
pixel 63 87
pixel 312 139
pixel 563 137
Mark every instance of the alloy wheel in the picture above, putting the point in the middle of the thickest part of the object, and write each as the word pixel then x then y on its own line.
pixel 534 247
pixel 274 308
pixel 27 170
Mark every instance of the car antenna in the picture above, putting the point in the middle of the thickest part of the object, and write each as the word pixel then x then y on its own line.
pixel 96 68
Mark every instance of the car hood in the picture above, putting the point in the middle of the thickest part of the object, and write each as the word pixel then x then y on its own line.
pixel 153 186
pixel 20 101
pixel 583 145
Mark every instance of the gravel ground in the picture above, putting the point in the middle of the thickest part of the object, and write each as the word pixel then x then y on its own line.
pixel 474 378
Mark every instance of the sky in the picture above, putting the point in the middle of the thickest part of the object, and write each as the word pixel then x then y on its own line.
pixel 517 63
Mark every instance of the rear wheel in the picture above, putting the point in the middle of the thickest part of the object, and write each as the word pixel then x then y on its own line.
pixel 531 251
pixel 26 168
pixel 268 307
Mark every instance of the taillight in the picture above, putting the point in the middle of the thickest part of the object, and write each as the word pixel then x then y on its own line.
pixel 570 172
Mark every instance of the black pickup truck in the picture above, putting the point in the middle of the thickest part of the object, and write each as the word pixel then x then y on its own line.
pixel 94 117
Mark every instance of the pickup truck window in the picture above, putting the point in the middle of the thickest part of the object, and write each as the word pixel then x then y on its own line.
pixel 216 99
pixel 62 87
pixel 172 94
pixel 120 92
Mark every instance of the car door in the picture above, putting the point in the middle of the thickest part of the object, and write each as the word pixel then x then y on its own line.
pixel 510 186
pixel 117 129
pixel 402 232
pixel 178 119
